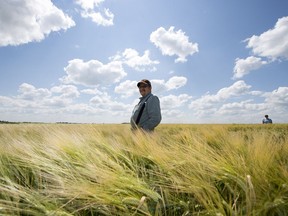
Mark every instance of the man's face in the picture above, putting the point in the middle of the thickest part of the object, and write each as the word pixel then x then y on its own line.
pixel 144 89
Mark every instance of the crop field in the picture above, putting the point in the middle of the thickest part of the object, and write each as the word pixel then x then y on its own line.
pixel 102 169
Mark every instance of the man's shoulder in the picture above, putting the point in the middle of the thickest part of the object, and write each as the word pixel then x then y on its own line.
pixel 153 97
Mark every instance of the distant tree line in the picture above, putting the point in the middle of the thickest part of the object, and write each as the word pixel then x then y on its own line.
pixel 7 122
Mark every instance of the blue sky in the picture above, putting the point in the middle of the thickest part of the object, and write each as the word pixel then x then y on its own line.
pixel 79 61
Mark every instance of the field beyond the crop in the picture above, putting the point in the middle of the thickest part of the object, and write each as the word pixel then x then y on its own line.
pixel 99 169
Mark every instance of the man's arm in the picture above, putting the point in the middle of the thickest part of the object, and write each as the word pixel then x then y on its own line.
pixel 154 113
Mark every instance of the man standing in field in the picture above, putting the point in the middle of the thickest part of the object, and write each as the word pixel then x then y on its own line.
pixel 267 120
pixel 147 113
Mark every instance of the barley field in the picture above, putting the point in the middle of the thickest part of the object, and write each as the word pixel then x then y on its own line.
pixel 101 169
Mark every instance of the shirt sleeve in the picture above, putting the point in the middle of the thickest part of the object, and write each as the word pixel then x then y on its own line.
pixel 154 113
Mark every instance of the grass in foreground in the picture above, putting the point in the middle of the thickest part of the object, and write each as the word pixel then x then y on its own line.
pixel 49 169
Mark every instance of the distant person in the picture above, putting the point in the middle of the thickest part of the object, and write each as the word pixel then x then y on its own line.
pixel 147 113
pixel 267 120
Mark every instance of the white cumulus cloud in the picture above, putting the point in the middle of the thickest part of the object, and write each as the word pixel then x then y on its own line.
pixel 93 72
pixel 241 108
pixel 91 9
pixel 132 58
pixel 172 105
pixel 172 42
pixel 39 98
pixel 173 101
pixel 24 21
pixel 273 43
pixel 278 97
pixel 244 66
pixel 29 92
pixel 176 82
pixel 106 102
pixel 127 88
pixel 67 91
pixel 89 4
pixel 209 102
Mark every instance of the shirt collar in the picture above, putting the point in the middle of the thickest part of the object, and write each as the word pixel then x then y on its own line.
pixel 141 98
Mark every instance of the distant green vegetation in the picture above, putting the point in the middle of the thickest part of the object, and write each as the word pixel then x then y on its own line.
pixel 82 169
